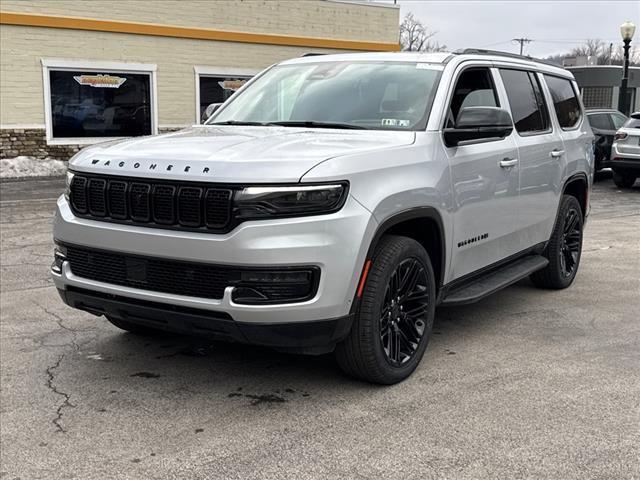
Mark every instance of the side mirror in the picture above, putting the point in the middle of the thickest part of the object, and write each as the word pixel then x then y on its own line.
pixel 210 110
pixel 479 123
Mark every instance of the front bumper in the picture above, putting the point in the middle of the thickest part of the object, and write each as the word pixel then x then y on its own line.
pixel 310 337
pixel 336 243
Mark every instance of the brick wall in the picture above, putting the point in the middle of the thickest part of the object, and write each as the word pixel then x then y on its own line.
pixel 32 142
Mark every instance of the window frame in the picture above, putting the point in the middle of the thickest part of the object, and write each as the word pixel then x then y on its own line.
pixel 576 93
pixel 209 71
pixel 545 101
pixel 452 90
pixel 55 64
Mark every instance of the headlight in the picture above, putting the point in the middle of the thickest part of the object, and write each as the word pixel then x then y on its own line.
pixel 254 203
pixel 68 189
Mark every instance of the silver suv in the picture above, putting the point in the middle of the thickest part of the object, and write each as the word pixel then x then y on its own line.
pixel 332 203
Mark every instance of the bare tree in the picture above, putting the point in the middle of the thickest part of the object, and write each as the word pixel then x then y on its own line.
pixel 592 47
pixel 600 52
pixel 415 37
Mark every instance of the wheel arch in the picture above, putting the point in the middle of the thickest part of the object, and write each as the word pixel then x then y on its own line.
pixel 577 186
pixel 423 224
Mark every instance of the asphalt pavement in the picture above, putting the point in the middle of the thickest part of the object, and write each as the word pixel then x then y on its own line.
pixel 525 384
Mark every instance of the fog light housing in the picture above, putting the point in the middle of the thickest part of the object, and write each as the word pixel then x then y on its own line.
pixel 59 257
pixel 275 286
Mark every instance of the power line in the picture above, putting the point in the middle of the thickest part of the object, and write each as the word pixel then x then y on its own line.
pixel 522 42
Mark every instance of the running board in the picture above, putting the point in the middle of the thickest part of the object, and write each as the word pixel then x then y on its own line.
pixel 495 280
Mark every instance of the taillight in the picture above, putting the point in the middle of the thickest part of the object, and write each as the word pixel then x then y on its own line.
pixel 620 136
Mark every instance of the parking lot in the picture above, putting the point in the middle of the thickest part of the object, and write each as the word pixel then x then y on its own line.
pixel 527 383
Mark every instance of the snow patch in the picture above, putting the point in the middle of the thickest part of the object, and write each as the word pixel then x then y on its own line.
pixel 31 167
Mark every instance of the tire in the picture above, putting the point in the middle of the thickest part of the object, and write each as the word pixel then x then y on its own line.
pixel 624 179
pixel 368 353
pixel 564 248
pixel 133 328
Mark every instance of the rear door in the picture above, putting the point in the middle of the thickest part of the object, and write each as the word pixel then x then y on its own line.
pixel 541 154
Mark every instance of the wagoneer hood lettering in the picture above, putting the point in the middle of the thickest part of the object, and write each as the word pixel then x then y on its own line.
pixel 232 154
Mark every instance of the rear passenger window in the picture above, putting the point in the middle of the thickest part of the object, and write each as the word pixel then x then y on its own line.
pixel 565 101
pixel 527 103
pixel 474 88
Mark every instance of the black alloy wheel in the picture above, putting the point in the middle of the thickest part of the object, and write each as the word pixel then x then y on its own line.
pixel 571 245
pixel 564 248
pixel 406 302
pixel 392 326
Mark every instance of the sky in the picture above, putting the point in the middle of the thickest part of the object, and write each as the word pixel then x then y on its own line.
pixel 554 26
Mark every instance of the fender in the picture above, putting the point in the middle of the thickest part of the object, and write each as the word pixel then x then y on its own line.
pixel 412 214
pixel 580 176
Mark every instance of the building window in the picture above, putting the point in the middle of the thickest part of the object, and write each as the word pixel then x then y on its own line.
pixel 597 97
pixel 216 85
pixel 86 103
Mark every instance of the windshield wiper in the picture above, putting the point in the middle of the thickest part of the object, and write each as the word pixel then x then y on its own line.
pixel 312 124
pixel 238 122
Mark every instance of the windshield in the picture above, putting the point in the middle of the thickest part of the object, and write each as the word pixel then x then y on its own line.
pixel 388 96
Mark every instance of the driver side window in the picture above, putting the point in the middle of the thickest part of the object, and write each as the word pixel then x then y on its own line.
pixel 474 88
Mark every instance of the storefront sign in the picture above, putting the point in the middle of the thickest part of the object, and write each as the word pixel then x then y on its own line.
pixel 100 81
pixel 232 85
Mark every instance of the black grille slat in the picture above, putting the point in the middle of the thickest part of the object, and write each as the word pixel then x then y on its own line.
pixel 96 194
pixel 217 207
pixel 158 204
pixel 164 204
pixel 117 199
pixel 139 202
pixel 78 193
pixel 190 206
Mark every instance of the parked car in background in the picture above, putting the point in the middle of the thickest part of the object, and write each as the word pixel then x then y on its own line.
pixel 625 152
pixel 604 123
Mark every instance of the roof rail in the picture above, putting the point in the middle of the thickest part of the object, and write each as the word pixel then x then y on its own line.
pixel 480 51
pixel 312 54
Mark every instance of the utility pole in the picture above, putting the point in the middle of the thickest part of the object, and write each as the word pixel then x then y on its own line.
pixel 522 42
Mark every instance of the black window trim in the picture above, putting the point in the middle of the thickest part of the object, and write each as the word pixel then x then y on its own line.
pixel 578 96
pixel 545 103
pixel 452 88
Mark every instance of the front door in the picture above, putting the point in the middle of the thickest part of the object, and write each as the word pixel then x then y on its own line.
pixel 485 182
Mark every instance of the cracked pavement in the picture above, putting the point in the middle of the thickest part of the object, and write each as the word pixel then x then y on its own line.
pixel 525 384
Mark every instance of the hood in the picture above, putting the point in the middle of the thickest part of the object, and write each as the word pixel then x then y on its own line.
pixel 232 154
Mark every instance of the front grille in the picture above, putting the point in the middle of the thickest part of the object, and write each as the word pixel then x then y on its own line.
pixel 152 203
pixel 192 279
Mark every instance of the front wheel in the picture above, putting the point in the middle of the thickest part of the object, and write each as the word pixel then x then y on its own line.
pixel 393 324
pixel 623 179
pixel 564 248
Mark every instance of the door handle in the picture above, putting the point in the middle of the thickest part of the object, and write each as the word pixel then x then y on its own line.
pixel 556 153
pixel 508 162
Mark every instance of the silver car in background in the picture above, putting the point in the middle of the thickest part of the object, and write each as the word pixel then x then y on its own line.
pixel 625 152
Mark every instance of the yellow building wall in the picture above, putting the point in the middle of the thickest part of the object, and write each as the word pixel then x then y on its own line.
pixel 23 47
